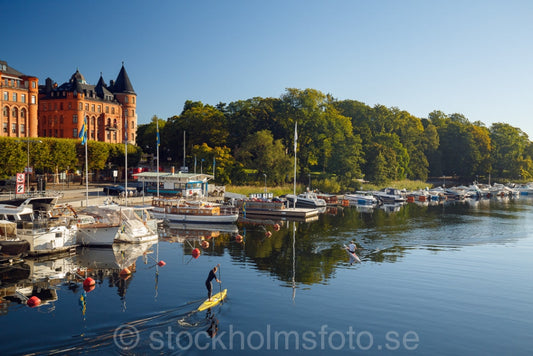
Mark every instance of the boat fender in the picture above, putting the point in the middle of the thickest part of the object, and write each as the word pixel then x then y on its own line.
pixel 161 263
pixel 196 253
pixel 238 238
pixel 276 227
pixel 268 234
pixel 205 244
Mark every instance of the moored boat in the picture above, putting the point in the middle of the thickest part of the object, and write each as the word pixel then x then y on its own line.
pixel 178 210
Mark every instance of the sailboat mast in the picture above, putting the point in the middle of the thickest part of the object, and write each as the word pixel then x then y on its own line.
pixel 86 176
pixel 183 148
pixel 126 166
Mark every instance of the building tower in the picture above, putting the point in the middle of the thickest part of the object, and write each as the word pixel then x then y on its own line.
pixel 125 95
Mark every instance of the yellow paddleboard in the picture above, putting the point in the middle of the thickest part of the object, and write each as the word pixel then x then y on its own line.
pixel 215 299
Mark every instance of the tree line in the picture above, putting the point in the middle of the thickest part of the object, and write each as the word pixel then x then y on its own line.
pixel 338 140
pixel 55 155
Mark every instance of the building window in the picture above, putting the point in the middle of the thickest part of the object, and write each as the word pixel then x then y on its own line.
pixel 14 113
pixel 132 124
pixel 133 99
pixel 126 113
pixel 99 108
pixel 92 107
pixel 5 127
pixel 61 133
pixel 92 134
pixel 107 109
pixel 126 98
pixel 115 136
pixel 14 128
pixel 74 119
pixel 14 97
pixel 23 113
pixel 21 128
pixel 86 107
pixel 33 99
pixel 23 98
pixel 33 85
pixel 109 136
pixel 6 95
pixel 112 110
pixel 75 133
pixel 61 119
pixel 6 111
pixel 115 123
pixel 80 106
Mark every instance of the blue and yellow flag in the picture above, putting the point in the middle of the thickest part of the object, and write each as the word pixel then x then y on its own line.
pixel 83 132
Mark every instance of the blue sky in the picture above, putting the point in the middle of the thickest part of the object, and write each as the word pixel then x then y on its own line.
pixel 470 57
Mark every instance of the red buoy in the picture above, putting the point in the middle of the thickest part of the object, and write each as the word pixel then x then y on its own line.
pixel 88 288
pixel 268 234
pixel 276 227
pixel 161 263
pixel 33 302
pixel 205 244
pixel 196 253
pixel 88 282
pixel 238 238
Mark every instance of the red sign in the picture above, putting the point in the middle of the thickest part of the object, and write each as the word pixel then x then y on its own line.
pixel 20 189
pixel 20 178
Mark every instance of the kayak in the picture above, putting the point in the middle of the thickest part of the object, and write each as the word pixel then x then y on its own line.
pixel 352 255
pixel 215 299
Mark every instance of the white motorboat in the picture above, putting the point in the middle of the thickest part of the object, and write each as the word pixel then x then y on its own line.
pixel 177 210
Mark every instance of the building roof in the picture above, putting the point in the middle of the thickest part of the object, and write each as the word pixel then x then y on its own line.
pixel 152 176
pixel 123 84
pixel 5 68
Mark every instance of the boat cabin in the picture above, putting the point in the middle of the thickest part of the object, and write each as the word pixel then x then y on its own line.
pixel 187 185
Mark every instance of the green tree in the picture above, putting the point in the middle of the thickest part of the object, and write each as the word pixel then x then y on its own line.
pixel 267 156
pixel 508 147
pixel 12 156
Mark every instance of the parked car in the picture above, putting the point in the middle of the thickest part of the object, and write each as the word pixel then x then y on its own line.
pixel 119 190
pixel 7 185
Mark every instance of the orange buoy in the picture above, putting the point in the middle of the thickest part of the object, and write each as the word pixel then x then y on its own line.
pixel 205 244
pixel 268 234
pixel 196 253
pixel 33 302
pixel 125 272
pixel 276 227
pixel 88 282
pixel 161 263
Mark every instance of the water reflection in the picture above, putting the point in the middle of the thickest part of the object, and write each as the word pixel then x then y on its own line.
pixel 386 235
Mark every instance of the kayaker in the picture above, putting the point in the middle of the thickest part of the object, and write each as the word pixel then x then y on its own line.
pixel 352 246
pixel 212 275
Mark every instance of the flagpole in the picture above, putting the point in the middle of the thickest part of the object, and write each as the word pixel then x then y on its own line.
pixel 157 125
pixel 295 144
pixel 126 163
pixel 86 174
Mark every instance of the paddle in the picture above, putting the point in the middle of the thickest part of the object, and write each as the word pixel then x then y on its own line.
pixel 220 277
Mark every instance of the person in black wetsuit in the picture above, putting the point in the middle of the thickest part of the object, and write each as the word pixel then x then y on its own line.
pixel 208 284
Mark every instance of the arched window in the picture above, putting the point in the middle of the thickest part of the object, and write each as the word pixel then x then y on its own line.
pixel 6 111
pixel 108 122
pixel 115 123
pixel 14 113
pixel 23 113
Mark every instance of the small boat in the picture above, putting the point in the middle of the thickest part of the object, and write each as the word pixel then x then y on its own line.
pixel 105 225
pixel 390 196
pixel 43 233
pixel 306 200
pixel 179 210
pixel 10 244
pixel 361 199
pixel 272 208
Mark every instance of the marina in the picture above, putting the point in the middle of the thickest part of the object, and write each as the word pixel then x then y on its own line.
pixel 289 267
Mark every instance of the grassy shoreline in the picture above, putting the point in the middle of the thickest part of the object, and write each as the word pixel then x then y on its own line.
pixel 288 188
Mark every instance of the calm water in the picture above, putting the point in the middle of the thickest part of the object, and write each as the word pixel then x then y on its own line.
pixel 441 280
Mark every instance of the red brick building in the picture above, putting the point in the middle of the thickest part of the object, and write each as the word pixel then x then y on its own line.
pixel 109 110
pixel 18 102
